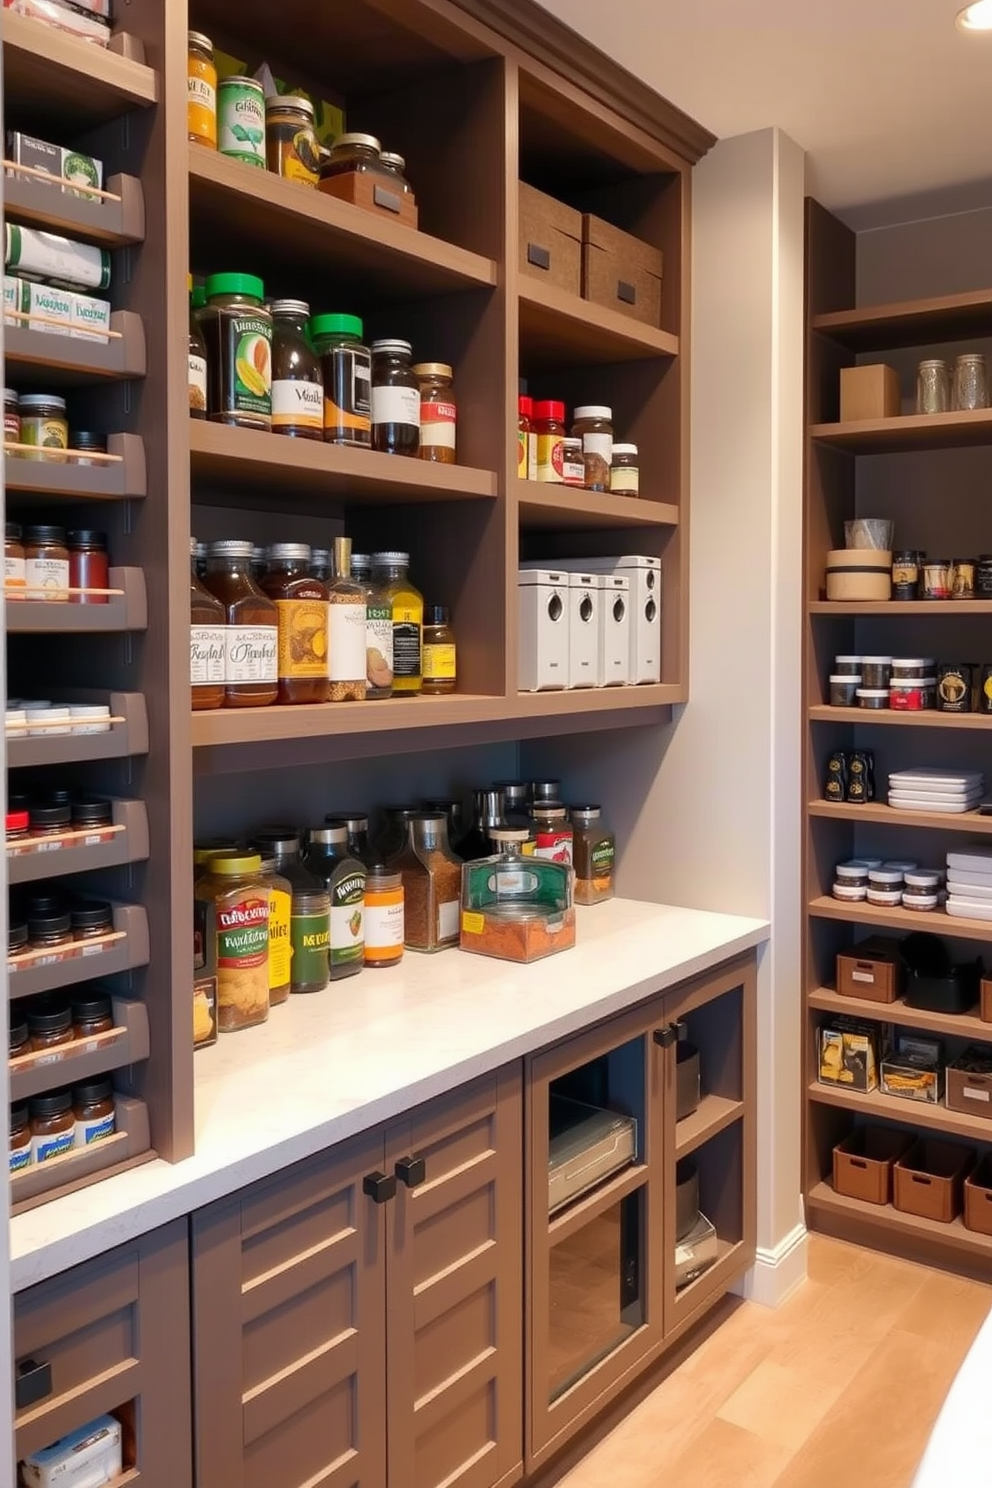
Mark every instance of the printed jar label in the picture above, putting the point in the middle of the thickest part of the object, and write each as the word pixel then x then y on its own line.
pixel 88 1132
pixel 348 920
pixel 550 457
pixel 522 472
pixel 248 373
pixel 625 480
pixel 47 573
pixel 14 574
pixel 201 108
pixel 302 638
pixel 346 642
pixel 310 942
pixel 20 1157
pixel 437 425
pixel 241 121
pixel 598 444
pixel 407 634
pixel 252 653
pixel 347 391
pixel 280 947
pixel 554 845
pixel 379 644
pixel 439 662
pixel 396 405
pixel 243 934
pixel 448 914
pixel 207 654
pixel 53 1145
pixel 573 468
pixel 603 857
pixel 297 405
pixel 197 378
pixel 384 926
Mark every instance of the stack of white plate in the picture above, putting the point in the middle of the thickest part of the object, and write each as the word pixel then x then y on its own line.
pixel 969 883
pixel 936 790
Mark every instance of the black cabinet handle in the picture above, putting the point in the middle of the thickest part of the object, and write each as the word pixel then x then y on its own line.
pixel 626 293
pixel 666 1036
pixel 33 1383
pixel 538 256
pixel 412 1171
pixel 379 1188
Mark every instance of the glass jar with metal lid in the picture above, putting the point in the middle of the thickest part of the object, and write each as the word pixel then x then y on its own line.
pixel 92 1015
pixel 95 1111
pixel 301 605
pixel 49 1026
pixel 346 368
pixel 593 424
pixel 21 1155
pixel 394 166
pixel 438 412
pixel 352 154
pixel 395 399
pixel 309 908
pixel 933 386
pixel 357 828
pixel 343 876
pixel 297 383
pixel 625 474
pixel 201 90
pixel 53 1126
pixel 252 638
pixel 970 389
pixel 92 920
pixel 291 148
pixel 44 426
pixel 237 330
pixel 384 918
pixel 593 855
pixel 553 835
pixel 46 563
pixel 236 920
pixel 321 566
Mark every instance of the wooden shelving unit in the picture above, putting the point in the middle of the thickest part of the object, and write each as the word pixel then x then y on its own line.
pixel 928 493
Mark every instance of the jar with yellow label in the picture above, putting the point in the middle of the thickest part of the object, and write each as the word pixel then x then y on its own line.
pixel 236 913
pixel 44 425
pixel 440 654
pixel 291 148
pixel 301 605
pixel 280 947
pixel 201 90
pixel 390 572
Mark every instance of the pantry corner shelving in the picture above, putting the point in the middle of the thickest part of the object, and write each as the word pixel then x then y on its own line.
pixel 126 736
pixel 82 850
pixel 911 432
pixel 546 507
pixel 557 327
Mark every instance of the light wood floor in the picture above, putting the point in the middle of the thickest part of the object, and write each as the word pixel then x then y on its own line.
pixel 841 1384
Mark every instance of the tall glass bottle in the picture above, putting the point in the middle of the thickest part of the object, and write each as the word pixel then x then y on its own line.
pixel 207 641
pixel 488 812
pixel 346 629
pixel 297 382
pixel 378 629
pixel 301 602
pixel 357 827
pixel 407 604
pixel 343 876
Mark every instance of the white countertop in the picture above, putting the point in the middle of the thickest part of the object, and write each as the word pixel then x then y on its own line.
pixel 326 1067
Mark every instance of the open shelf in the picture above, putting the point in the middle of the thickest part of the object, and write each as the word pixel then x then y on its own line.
pixel 45 71
pixel 821 1199
pixel 968 822
pixel 920 609
pixel 549 507
pixel 34 358
pixel 952 1025
pixel 67 1064
pixel 914 431
pixel 288 224
pixel 109 223
pixel 909 322
pixel 711 1116
pixel 883 1107
pixel 127 611
pixel 80 853
pixel 116 480
pixel 596 1201
pixel 130 1144
pixel 558 329
pixel 118 742
pixel 930 718
pixel 935 921
pixel 599 699
pixel 87 962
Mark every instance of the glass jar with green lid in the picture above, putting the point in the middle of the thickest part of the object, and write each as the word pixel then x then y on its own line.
pixel 346 367
pixel 237 921
pixel 237 330
pixel 297 386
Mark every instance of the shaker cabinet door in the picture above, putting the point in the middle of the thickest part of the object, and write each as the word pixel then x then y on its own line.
pixel 289 1330
pixel 454 1289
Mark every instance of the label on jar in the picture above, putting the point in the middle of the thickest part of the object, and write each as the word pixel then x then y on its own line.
pixel 396 405
pixel 522 442
pixel 241 120
pixel 532 456
pixel 550 457
pixel 437 425
pixel 346 644
pixel 44 433
pixel 20 1157
pixel 310 941
pixel 297 405
pixel 905 572
pixel 379 644
pixel 249 375
pixel 448 915
pixel 406 643
pixel 598 444
pixel 624 480
pixel 11 428
pixel 201 107
pixel 555 844
pixel 347 921
pixel 280 946
pixel 602 858
pixel 573 468
pixel 53 1144
pixel 48 574
pixel 302 638
pixel 384 926
pixel 207 654
pixel 252 654
pixel 347 393
pixel 14 574
pixel 243 933
pixel 95 1130
pixel 439 662
pixel 197 378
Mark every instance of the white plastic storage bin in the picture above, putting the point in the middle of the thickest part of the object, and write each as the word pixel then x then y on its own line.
pixel 644 574
pixel 542 662
pixel 584 596
pixel 614 629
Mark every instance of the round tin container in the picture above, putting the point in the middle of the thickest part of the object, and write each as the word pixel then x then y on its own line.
pixel 241 120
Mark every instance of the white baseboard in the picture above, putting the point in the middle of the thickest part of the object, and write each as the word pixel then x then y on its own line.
pixel 776 1273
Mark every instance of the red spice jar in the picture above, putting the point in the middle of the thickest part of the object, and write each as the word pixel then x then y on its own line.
pixel 89 566
pixel 549 426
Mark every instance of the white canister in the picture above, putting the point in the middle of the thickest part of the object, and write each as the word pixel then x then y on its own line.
pixel 543 630
pixel 583 629
pixel 614 630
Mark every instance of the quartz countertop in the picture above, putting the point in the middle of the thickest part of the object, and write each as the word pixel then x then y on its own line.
pixel 326 1067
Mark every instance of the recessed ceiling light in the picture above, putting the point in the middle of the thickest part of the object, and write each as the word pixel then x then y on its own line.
pixel 976 17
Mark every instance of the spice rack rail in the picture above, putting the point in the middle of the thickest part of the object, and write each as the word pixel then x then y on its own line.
pixel 33 356
pixel 936 921
pixel 44 69
pixel 914 431
pixel 931 718
pixel 909 322
pixel 123 477
pixel 118 742
pixel 67 1064
pixel 127 610
pixel 879 814
pixel 125 953
pixel 882 1107
pixel 561 329
pixel 76 854
pixel 129 1145
pixel 547 507
pixel 109 223
pixel 951 1025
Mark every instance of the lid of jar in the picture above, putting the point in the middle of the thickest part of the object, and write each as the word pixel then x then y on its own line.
pixel 17 821
pixel 381 877
pixel 525 405
pixel 434 369
pixel 337 325
pixel 900 865
pixel 50 1019
pixel 429 818
pixel 970 356
pixel 88 1009
pixel 201 549
pixel 277 101
pixel 885 876
pixel 854 868
pixel 92 1092
pixel 352 823
pixel 39 904
pixel 235 284
pixel 197 38
pixel 545 790
pixel 45 533
pixel 913 661
pixel 585 813
pixel 50 816
pixel 405 811
pixel 549 409
pixel 933 362
pixel 331 834
pixel 279 844
pixel 9 395
pixel 13 530
pixel 320 555
pixel 89 916
pixel 229 547
pixel 839 659
pixel 876 660
pixel 501 832
pixel 199 297
pixel 54 1104
pixel 625 449
pixel 923 878
pixel 436 614
pixel 391 559
pixel 361 565
pixel 391 344
pixel 86 537
pixel 300 551
pixel 18 1119
pixel 873 692
pixel 343 141
pixel 50 924
pixel 571 443
pixel 234 865
pixel 846 677
pixel 390 157
pixel 312 901
pixel 593 411
pixel 290 307
pixel 962 560
pixel 512 788
pixel 41 400
pixel 88 439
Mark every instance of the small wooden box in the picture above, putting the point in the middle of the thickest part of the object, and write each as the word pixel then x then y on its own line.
pixel 550 240
pixel 863 1163
pixel 978 1198
pixel 871 392
pixel 366 189
pixel 970 1090
pixel 872 971
pixel 929 1180
pixel 620 271
pixel 985 1009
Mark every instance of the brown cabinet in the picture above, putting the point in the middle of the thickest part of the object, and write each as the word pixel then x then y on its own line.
pixel 111 1336
pixel 356 1320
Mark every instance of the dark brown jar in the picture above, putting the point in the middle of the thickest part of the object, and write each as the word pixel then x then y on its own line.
pixel 89 566
pixel 20 1039
pixel 252 641
pixel 352 155
pixel 297 381
pixel 395 399
pixel 594 854
pixel 53 1126
pixel 93 816
pixel 301 606
pixel 92 1015
pixel 92 919
pixel 207 641
pixel 50 932
pixel 50 820
pixel 49 1026
pixel 21 1155
pixel 46 563
pixel 94 1110
pixel 17 938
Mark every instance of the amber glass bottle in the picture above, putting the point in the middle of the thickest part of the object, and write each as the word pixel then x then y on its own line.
pixel 301 602
pixel 207 642
pixel 251 665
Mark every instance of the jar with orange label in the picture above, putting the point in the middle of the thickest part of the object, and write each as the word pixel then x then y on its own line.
pixel 384 918
pixel 438 412
pixel 301 604
pixel 201 90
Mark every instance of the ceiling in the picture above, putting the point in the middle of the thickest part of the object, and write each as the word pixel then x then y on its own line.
pixel 888 97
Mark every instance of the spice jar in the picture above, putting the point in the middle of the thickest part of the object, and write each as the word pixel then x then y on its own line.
pixel 487 813
pixel 53 1126
pixel 593 424
pixel 346 627
pixel 526 440
pixel 320 564
pixel 378 629
pixel 84 444
pixel 297 383
pixel 19 1039
pixel 384 919
pixel 237 920
pixel 310 932
pixel 92 815
pixel 553 835
pixel 983 577
pixel 549 427
pixel 432 878
pixel 201 90
pixel 962 578
pixel 251 655
pixel 197 353
pixel 237 331
pixel 207 641
pixel 46 563
pixel 970 388
pixel 14 570
pixel 241 120
pixel 394 167
pixel 625 474
pixel 44 426
pixel 343 876
pixel 291 148
pixel 89 567
pixel 936 579
pixel 49 1026
pixel 51 820
pixel 17 938
pixel 573 469
pixel 439 651
pixel 280 945
pixel 346 368
pixel 448 807
pixel 906 573
pixel 92 1015
pixel 389 570
pixel 438 412
pixel 395 399
pixel 301 606
pixel 94 1111
pixel 955 684
pixel 933 386
pixel 351 154
pixel 17 827
pixel 21 1154
pixel 11 417
pixel 92 921
pixel 593 854
pixel 51 933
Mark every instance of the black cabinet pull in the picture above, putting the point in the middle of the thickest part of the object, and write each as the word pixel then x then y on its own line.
pixel 33 1383
pixel 626 293
pixel 412 1171
pixel 538 256
pixel 379 1188
pixel 666 1036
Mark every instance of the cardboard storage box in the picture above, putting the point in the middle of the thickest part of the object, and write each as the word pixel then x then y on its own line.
pixel 985 1010
pixel 849 1053
pixel 969 1082
pixel 978 1198
pixel 550 240
pixel 863 1163
pixel 620 271
pixel 929 1179
pixel 869 393
pixel 873 970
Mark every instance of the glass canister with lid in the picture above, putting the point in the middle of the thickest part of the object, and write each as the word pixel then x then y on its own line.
pixel 395 399
pixel 237 330
pixel 237 922
pixel 297 382
pixel 251 668
pixel 432 878
pixel 346 367
pixel 44 425
pixel 291 148
pixel 350 154
pixel 593 855
pixel 593 424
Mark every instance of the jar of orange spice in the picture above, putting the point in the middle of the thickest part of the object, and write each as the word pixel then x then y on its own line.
pixel 384 918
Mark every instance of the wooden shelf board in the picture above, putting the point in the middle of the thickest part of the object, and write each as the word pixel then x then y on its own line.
pixel 291 225
pixel 879 813
pixel 822 1199
pixel 953 1124
pixel 46 73
pixel 713 1114
pixel 911 432
pixel 953 1025
pixel 910 322
pixel 598 700
pixel 887 718
pixel 560 330
pixel 918 608
pixel 936 921
pixel 307 477
pixel 565 508
pixel 127 611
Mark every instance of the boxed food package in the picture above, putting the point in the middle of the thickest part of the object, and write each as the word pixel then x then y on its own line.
pixel 87 1458
pixel 870 392
pixel 90 318
pixel 849 1053
pixel 969 1082
pixel 912 1075
pixel 872 970
pixel 55 160
pixel 49 308
pixel 57 260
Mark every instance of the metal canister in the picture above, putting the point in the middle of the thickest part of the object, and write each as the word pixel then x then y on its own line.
pixel 955 681
pixel 970 382
pixel 906 573
pixel 962 578
pixel 241 120
pixel 933 387
pixel 291 148
pixel 936 583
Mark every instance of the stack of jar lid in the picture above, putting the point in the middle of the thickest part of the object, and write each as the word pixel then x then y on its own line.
pixel 888 884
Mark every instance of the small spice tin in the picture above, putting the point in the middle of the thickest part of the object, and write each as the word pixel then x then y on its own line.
pixel 906 573
pixel 241 120
pixel 936 579
pixel 843 691
pixel 963 578
pixel 848 666
pixel 876 671
pixel 910 668
pixel 873 697
pixel 954 687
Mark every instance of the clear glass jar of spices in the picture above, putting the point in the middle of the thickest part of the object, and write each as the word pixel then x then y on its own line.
pixel 625 474
pixel 933 386
pixel 970 382
pixel 593 424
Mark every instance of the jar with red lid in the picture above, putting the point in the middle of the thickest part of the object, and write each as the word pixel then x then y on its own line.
pixel 17 827
pixel 89 566
pixel 549 426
